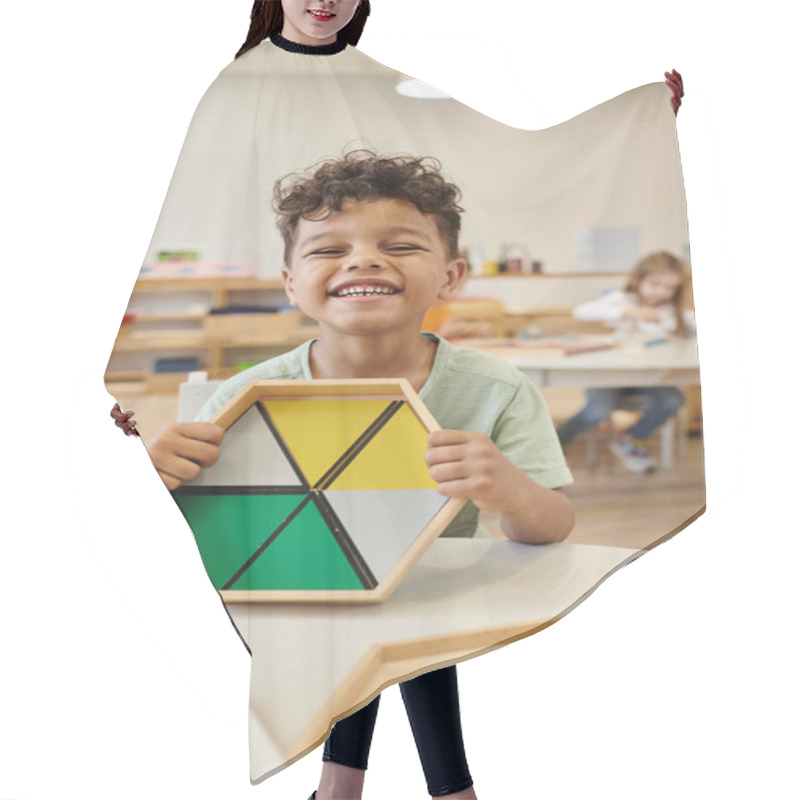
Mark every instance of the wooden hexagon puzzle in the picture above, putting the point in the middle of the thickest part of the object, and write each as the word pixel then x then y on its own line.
pixel 320 493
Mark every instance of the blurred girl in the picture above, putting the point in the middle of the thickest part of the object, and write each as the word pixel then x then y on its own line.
pixel 651 305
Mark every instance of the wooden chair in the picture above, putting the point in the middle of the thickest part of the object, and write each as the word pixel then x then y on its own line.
pixel 672 431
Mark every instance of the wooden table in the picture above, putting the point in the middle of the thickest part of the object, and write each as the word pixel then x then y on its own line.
pixel 673 363
pixel 315 664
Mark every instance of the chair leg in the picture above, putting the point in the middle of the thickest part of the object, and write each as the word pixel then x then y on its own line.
pixel 591 447
pixel 683 429
pixel 667 441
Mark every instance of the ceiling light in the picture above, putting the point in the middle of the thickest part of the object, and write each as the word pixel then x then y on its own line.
pixel 419 90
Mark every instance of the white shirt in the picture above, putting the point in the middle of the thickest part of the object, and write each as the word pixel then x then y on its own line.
pixel 611 307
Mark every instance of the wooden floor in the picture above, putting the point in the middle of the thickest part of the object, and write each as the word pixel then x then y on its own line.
pixel 623 509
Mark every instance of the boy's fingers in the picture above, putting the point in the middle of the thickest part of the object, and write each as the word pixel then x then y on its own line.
pixel 453 489
pixel 169 481
pixel 461 490
pixel 445 473
pixel 180 469
pixel 447 437
pixel 200 431
pixel 201 453
pixel 442 454
pixel 439 438
pixel 195 441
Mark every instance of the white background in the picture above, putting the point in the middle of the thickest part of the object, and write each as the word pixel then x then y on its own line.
pixel 120 675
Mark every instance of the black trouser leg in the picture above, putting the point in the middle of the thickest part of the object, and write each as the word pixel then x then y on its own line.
pixel 433 711
pixel 351 738
pixel 432 706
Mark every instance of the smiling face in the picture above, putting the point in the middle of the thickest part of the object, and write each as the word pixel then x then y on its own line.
pixel 315 22
pixel 371 268
pixel 659 287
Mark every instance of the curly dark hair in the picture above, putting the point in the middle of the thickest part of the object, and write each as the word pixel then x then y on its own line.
pixel 266 19
pixel 365 176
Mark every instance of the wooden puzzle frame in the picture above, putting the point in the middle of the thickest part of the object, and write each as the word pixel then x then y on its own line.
pixel 395 398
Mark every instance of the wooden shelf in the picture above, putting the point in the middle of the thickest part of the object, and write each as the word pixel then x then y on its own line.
pixel 209 335
pixel 167 317
pixel 137 342
pixel 144 382
pixel 302 334
pixel 505 275
pixel 206 284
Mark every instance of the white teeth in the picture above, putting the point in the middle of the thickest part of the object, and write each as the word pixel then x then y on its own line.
pixel 364 291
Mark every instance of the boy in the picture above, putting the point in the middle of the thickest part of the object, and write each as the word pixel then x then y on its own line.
pixel 371 243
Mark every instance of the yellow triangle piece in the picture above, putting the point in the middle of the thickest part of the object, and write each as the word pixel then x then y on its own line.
pixel 318 432
pixel 393 459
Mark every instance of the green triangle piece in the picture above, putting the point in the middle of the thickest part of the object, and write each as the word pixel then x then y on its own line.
pixel 305 556
pixel 230 528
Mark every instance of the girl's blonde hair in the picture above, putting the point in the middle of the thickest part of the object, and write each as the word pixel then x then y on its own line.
pixel 266 19
pixel 664 262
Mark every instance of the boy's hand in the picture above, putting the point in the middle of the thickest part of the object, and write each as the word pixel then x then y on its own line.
pixel 182 449
pixel 470 465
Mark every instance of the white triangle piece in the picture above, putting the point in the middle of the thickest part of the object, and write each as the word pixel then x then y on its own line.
pixel 384 523
pixel 249 456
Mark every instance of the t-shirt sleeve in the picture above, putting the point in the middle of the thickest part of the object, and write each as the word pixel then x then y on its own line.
pixel 212 405
pixel 524 433
pixel 224 392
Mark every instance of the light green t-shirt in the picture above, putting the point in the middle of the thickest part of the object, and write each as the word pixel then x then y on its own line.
pixel 466 390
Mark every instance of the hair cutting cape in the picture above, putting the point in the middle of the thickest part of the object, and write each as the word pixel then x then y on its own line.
pixel 593 195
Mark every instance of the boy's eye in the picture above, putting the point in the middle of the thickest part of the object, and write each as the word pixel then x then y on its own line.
pixel 393 248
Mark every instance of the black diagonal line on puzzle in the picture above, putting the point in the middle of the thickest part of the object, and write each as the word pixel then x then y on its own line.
pixel 265 415
pixel 346 544
pixel 358 445
pixel 195 491
pixel 274 535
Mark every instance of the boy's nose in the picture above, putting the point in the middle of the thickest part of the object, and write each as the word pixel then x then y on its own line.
pixel 364 260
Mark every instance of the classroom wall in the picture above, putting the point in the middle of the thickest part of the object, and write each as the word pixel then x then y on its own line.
pixel 613 167
pixel 518 293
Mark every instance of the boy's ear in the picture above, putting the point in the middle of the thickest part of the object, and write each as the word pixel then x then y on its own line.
pixel 288 284
pixel 453 277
